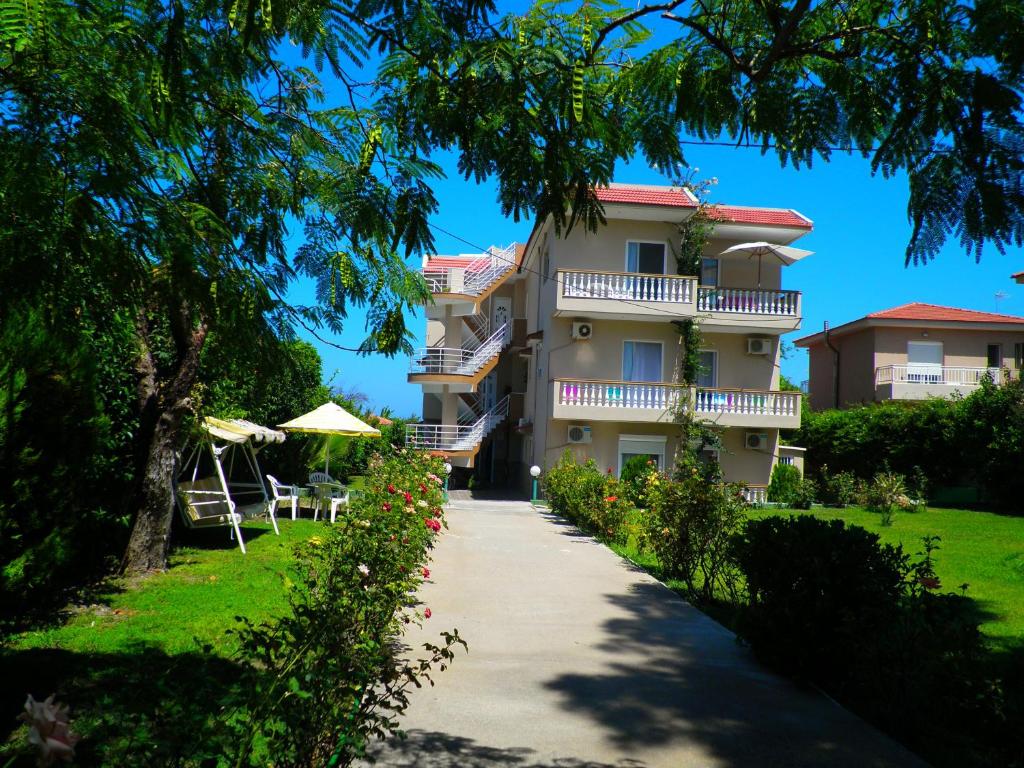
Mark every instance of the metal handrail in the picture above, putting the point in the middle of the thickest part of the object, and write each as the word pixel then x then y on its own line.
pixel 458 361
pixel 455 437
pixel 478 275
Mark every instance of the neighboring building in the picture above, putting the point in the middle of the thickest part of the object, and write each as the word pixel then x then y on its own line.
pixel 911 352
pixel 589 355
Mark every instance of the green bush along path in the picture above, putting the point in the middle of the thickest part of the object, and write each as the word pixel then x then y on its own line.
pixel 980 549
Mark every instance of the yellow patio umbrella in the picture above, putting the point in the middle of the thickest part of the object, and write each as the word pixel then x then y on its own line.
pixel 330 419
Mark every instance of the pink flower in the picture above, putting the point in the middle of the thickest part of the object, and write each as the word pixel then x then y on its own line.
pixel 436 512
pixel 49 729
pixel 408 497
pixel 435 478
pixel 426 613
pixel 426 573
pixel 423 488
pixel 387 506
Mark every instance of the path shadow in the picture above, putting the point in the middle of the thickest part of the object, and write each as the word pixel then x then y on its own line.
pixel 680 680
pixel 433 749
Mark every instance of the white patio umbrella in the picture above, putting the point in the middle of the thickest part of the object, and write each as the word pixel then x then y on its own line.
pixel 785 254
pixel 330 419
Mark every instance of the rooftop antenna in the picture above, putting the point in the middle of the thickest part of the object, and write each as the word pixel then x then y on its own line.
pixel 999 296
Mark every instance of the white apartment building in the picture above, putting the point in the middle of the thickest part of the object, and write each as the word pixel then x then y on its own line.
pixel 568 342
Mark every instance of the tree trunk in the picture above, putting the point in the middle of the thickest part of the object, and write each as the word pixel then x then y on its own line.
pixel 163 403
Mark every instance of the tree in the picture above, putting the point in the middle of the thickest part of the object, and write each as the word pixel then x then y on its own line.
pixel 165 148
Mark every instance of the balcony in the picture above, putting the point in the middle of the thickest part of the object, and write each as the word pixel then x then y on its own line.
pixel 749 309
pixel 457 440
pixel 632 401
pixel 919 382
pixel 458 367
pixel 624 295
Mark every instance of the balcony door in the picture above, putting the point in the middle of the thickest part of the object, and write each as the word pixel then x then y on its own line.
pixel 641 361
pixel 924 362
pixel 707 376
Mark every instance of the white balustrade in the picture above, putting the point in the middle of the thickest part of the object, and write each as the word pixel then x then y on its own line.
pixel 934 374
pixel 749 301
pixel 755 494
pixel 585 284
pixel 620 394
pixel 746 402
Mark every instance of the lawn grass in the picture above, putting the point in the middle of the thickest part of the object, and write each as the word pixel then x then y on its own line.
pixel 980 549
pixel 208 584
pixel 144 661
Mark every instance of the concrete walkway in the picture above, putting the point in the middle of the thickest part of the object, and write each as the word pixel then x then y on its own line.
pixel 578 660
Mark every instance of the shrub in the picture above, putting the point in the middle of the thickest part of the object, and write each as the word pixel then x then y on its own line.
pixel 887 493
pixel 326 677
pixel 633 479
pixel 690 526
pixel 811 583
pixel 784 482
pixel 836 489
pixel 576 491
pixel 805 494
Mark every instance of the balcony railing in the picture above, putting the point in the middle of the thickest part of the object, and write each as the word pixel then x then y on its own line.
pixel 455 361
pixel 705 401
pixel 475 277
pixel 619 394
pixel 629 286
pixel 929 374
pixel 748 301
pixel 755 494
pixel 452 438
pixel 746 402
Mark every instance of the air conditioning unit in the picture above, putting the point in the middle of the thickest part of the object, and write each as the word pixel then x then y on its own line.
pixel 758 346
pixel 582 330
pixel 756 441
pixel 578 433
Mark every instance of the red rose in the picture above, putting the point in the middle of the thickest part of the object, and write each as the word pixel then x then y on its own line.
pixel 436 512
pixel 408 497
pixel 387 506
pixel 610 499
pixel 929 582
pixel 426 573
pixel 426 613
pixel 391 488
pixel 423 488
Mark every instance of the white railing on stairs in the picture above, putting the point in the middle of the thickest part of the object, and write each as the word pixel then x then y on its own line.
pixel 456 437
pixel 474 277
pixel 458 361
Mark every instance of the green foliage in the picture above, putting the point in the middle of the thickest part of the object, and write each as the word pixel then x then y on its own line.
pixel 805 493
pixel 992 435
pixel 830 604
pixel 595 502
pixel 691 522
pixel 783 484
pixel 886 493
pixel 836 489
pixel 327 677
pixel 634 478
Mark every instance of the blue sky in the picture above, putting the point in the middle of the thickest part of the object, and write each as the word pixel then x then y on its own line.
pixel 860 233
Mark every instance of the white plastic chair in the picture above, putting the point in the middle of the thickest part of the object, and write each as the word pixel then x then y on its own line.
pixel 338 493
pixel 282 493
pixel 337 500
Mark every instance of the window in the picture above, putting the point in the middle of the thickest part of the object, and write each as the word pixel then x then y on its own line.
pixel 995 355
pixel 651 446
pixel 1018 356
pixel 708 375
pixel 546 266
pixel 645 258
pixel 641 360
pixel 709 272
pixel 787 460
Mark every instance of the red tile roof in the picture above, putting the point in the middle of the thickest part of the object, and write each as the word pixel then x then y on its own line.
pixel 676 197
pixel 645 194
pixel 783 217
pixel 918 311
pixel 470 263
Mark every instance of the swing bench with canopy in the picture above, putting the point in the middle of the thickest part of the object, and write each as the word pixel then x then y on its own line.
pixel 211 496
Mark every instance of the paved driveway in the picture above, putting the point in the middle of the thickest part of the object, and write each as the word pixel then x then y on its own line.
pixel 576 659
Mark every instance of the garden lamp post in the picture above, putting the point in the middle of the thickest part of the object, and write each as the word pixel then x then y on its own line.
pixel 447 474
pixel 534 473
